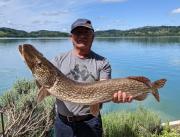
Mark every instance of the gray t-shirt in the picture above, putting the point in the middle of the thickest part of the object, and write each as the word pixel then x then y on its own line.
pixel 92 68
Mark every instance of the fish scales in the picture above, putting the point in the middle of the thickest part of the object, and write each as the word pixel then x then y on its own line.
pixel 85 93
pixel 54 82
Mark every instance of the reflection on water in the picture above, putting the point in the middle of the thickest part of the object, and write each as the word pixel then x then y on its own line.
pixel 166 40
pixel 155 58
pixel 9 41
pixel 161 41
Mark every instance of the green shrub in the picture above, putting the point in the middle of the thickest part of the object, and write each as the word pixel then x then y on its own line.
pixel 142 122
pixel 168 132
pixel 22 115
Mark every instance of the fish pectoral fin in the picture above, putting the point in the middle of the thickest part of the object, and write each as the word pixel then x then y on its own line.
pixel 43 92
pixel 94 109
pixel 140 97
pixel 38 84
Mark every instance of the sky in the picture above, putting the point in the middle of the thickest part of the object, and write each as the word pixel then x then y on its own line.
pixel 58 15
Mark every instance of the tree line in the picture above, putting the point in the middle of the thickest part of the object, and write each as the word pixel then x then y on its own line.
pixel 142 31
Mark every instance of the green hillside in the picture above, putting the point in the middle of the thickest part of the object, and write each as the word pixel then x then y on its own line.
pixel 143 31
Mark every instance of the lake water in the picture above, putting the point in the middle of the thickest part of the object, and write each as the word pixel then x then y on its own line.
pixel 152 57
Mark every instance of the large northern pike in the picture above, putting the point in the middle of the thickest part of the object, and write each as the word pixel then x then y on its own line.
pixel 53 82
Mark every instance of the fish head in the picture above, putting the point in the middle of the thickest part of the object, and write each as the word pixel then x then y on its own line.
pixel 40 67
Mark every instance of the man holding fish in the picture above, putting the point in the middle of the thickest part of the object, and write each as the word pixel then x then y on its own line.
pixel 80 81
pixel 83 65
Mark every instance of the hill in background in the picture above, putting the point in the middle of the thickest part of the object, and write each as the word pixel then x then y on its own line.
pixel 143 31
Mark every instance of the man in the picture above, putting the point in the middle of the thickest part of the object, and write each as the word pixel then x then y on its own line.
pixel 83 65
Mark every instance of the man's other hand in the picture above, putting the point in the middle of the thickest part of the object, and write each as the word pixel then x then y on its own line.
pixel 121 97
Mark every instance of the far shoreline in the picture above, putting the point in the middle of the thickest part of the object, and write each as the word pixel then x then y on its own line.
pixel 95 37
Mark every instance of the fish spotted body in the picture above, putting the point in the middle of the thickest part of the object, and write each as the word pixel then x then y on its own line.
pixel 52 81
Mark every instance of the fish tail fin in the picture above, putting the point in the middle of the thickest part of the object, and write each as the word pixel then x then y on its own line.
pixel 159 83
pixel 155 86
pixel 156 94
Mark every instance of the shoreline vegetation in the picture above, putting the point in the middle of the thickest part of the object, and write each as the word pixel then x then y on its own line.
pixel 24 117
pixel 147 31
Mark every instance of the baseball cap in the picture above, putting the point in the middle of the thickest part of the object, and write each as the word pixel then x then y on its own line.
pixel 82 23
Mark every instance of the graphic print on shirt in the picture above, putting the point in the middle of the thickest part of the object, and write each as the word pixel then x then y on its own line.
pixel 80 73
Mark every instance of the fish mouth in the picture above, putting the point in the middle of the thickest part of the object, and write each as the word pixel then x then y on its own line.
pixel 23 48
pixel 20 48
pixel 21 51
pixel 26 55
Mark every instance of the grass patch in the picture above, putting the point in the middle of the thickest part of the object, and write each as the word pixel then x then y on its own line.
pixel 141 122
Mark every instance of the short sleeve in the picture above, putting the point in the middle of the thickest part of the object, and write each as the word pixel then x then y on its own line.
pixel 105 72
pixel 54 61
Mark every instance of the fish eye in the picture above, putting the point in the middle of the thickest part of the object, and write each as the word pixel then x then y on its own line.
pixel 39 63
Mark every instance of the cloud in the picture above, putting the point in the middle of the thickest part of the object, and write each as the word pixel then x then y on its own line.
pixel 54 13
pixel 101 17
pixel 4 3
pixel 176 11
pixel 113 0
pixel 50 22
pixel 36 22
pixel 35 15
pixel 5 0
pixel 44 14
pixel 119 21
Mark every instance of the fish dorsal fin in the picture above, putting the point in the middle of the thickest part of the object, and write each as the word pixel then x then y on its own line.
pixel 141 79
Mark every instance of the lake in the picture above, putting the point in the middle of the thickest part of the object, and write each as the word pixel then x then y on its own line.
pixel 156 58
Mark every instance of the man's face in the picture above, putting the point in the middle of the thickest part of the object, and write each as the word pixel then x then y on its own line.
pixel 82 38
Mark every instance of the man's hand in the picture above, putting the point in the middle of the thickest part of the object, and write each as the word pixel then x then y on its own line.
pixel 121 97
